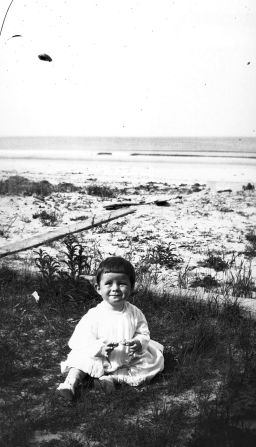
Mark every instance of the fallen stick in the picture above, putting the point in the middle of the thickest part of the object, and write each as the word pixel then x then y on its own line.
pixel 116 206
pixel 53 235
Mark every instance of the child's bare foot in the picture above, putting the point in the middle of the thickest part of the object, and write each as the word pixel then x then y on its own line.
pixel 66 392
pixel 105 383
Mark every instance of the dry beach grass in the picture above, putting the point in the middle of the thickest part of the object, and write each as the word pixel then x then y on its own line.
pixel 202 238
pixel 198 227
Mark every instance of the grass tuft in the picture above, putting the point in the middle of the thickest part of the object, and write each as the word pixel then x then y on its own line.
pixel 102 191
pixel 20 185
pixel 215 262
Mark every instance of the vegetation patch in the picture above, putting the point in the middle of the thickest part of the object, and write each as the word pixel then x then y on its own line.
pixel 64 281
pixel 102 191
pixel 215 262
pixel 204 396
pixel 161 255
pixel 239 281
pixel 249 187
pixel 207 282
pixel 48 219
pixel 250 250
pixel 18 185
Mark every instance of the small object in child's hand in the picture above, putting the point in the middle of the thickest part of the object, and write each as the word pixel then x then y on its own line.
pixel 125 343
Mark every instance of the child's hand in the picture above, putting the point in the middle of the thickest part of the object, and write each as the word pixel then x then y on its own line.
pixel 108 348
pixel 134 346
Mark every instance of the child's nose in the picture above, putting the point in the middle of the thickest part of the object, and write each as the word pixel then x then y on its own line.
pixel 115 286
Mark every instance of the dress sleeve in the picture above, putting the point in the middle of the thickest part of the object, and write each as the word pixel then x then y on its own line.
pixel 84 337
pixel 142 332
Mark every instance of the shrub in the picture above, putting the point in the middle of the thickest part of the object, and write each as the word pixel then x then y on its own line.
pixel 77 261
pixel 66 284
pixel 215 262
pixel 48 266
pixel 101 191
pixel 21 185
pixel 207 282
pixel 240 281
pixel 250 249
pixel 162 254
pixel 47 219
pixel 67 187
pixel 249 187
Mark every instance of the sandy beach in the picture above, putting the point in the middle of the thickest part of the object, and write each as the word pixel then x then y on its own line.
pixel 198 219
pixel 208 212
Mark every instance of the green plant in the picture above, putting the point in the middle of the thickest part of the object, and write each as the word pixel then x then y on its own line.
pixel 218 263
pixel 47 219
pixel 20 185
pixel 231 311
pixel 64 282
pixel 250 250
pixel 48 266
pixel 207 282
pixel 67 187
pixel 157 256
pixel 102 191
pixel 239 281
pixel 5 229
pixel 249 187
pixel 76 260
pixel 183 277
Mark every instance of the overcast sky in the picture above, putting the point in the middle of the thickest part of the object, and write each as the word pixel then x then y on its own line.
pixel 128 68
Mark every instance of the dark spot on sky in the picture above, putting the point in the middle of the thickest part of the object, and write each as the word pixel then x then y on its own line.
pixel 45 57
pixel 248 63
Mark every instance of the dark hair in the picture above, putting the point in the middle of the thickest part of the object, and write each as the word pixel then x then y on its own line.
pixel 116 264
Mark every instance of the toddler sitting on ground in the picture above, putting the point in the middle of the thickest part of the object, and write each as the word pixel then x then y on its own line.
pixel 111 343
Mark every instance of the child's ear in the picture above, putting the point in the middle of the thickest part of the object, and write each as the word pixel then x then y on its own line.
pixel 97 287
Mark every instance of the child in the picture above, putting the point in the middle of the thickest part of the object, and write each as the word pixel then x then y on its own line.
pixel 111 342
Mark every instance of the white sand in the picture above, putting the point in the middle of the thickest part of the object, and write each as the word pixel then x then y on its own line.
pixel 194 222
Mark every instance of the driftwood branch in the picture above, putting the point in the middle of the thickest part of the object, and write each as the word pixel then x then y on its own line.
pixel 53 235
pixel 116 206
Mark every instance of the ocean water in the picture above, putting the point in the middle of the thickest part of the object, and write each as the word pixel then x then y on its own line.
pixel 215 161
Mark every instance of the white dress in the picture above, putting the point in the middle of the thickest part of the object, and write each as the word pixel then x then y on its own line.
pixel 102 324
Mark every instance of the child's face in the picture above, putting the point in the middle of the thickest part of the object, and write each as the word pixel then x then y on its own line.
pixel 114 288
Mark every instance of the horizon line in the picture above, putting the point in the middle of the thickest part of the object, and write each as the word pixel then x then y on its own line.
pixel 126 136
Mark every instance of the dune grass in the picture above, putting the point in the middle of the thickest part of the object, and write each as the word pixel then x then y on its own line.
pixel 204 397
pixel 18 185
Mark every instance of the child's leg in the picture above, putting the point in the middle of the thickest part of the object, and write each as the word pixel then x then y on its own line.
pixel 67 388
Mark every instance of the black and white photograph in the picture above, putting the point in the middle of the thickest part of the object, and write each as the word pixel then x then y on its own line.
pixel 127 223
